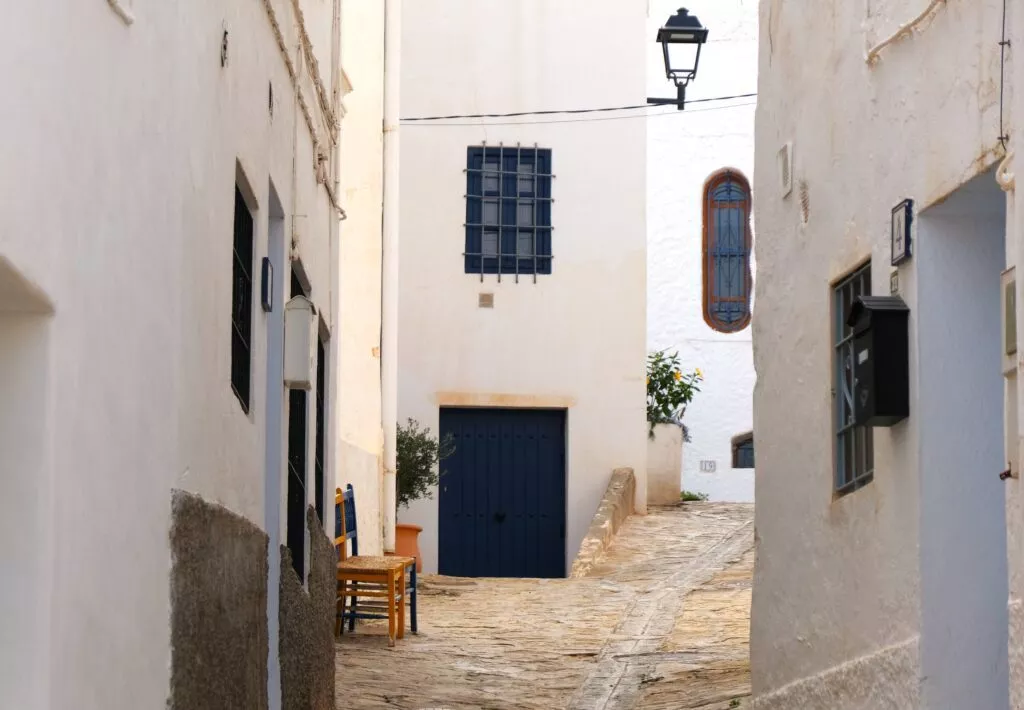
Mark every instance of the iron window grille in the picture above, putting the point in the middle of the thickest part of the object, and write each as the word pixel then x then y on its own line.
pixel 241 302
pixel 726 252
pixel 743 452
pixel 508 211
pixel 295 536
pixel 854 444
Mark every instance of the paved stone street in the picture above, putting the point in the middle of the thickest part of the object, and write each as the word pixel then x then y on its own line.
pixel 661 622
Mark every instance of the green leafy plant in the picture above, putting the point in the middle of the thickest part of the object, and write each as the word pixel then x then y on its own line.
pixel 734 703
pixel 419 455
pixel 669 391
pixel 691 496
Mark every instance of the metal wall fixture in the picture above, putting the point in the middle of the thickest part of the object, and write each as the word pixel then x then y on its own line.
pixel 681 39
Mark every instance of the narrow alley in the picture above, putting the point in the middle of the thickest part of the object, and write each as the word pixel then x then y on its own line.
pixel 660 622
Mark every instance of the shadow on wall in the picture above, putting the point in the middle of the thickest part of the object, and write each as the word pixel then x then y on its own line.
pixel 25 487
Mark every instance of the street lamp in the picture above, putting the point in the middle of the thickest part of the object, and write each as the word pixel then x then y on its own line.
pixel 681 39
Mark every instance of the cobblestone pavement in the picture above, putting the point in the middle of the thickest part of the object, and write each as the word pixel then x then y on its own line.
pixel 661 623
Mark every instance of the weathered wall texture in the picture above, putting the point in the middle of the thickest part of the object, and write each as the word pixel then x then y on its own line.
pixel 839 579
pixel 683 150
pixel 664 465
pixel 616 505
pixel 218 608
pixel 307 626
pixel 884 680
pixel 579 333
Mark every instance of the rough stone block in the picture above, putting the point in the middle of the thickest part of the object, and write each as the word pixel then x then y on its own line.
pixel 307 626
pixel 219 640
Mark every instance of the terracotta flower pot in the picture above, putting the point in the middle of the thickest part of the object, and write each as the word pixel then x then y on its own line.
pixel 407 543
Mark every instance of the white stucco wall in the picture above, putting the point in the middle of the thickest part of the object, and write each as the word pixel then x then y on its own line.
pixel 119 165
pixel 576 338
pixel 684 150
pixel 963 527
pixel 837 603
pixel 358 414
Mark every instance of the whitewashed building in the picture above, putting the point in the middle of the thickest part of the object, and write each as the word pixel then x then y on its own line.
pixel 173 177
pixel 886 554
pixel 699 258
pixel 522 302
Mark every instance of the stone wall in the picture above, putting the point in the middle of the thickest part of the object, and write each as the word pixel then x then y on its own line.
pixel 885 680
pixel 307 626
pixel 218 608
pixel 616 506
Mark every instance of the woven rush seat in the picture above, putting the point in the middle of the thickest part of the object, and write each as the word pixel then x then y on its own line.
pixel 374 564
pixel 369 586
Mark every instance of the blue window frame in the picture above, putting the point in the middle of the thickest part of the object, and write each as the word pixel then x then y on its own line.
pixel 854 443
pixel 726 252
pixel 508 211
pixel 743 451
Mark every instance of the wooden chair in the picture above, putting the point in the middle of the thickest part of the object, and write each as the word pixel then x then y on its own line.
pixel 383 582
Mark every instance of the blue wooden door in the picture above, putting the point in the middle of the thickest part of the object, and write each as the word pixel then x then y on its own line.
pixel 502 494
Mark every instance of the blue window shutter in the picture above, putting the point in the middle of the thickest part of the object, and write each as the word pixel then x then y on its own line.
pixel 510 191
pixel 727 278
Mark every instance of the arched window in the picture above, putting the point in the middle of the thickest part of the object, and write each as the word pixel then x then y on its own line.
pixel 726 253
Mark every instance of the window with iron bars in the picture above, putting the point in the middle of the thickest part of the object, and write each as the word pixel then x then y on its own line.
pixel 241 302
pixel 854 452
pixel 508 211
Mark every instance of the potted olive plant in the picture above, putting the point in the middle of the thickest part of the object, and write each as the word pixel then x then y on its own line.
pixel 669 391
pixel 418 458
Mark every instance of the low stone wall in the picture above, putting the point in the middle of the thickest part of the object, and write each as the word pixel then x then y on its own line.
pixel 307 625
pixel 616 506
pixel 219 638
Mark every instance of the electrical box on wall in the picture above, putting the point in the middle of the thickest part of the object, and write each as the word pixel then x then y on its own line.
pixel 881 360
pixel 300 331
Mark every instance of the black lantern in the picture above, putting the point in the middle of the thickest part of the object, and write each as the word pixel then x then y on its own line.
pixel 681 39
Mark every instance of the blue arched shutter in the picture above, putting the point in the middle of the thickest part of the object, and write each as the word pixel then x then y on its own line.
pixel 727 246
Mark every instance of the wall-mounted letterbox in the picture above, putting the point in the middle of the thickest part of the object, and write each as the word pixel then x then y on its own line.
pixel 881 360
pixel 300 327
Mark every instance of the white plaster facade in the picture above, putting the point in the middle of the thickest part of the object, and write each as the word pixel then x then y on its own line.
pixel 575 339
pixel 684 150
pixel 894 595
pixel 120 163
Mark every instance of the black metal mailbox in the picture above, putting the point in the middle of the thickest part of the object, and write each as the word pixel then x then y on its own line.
pixel 881 360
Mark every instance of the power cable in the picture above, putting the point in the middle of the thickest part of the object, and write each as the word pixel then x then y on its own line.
pixel 604 109
pixel 580 120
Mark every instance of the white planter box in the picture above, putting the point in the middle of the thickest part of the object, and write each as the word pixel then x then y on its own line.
pixel 665 465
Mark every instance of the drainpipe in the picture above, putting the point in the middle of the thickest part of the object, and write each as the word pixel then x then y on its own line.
pixel 389 286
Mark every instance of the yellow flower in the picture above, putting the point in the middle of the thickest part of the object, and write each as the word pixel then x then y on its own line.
pixel 648 380
pixel 699 373
pixel 678 375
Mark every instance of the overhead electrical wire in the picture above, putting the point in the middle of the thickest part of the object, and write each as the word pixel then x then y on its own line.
pixel 552 112
pixel 592 119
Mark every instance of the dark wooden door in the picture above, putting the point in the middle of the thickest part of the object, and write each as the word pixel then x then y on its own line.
pixel 502 494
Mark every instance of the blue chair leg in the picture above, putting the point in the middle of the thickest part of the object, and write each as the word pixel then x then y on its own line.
pixel 352 614
pixel 412 597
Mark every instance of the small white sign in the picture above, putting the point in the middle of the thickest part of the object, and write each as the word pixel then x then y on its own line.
pixel 708 466
pixel 902 216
